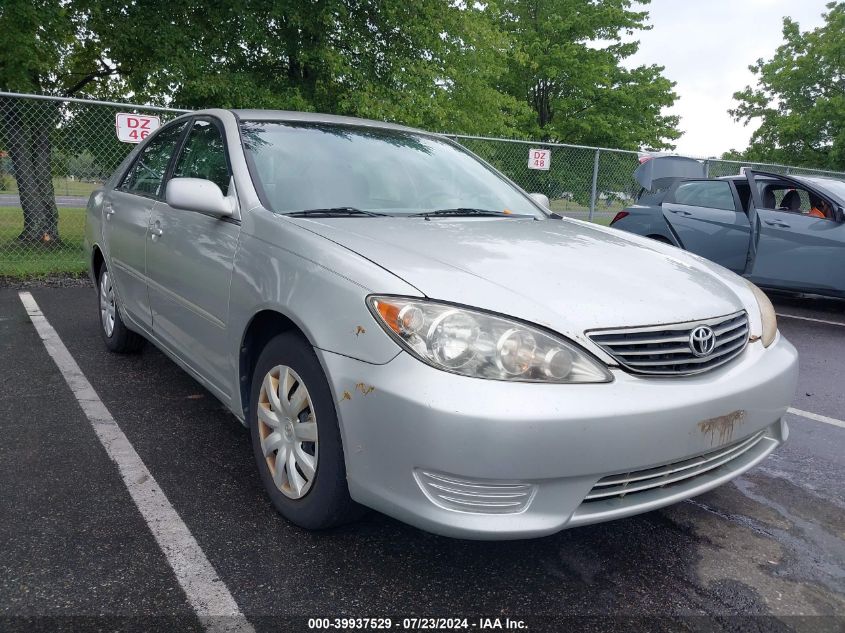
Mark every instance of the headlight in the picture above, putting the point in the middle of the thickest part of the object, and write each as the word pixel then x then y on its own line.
pixel 767 313
pixel 481 345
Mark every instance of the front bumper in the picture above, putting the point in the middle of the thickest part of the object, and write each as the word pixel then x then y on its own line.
pixel 405 425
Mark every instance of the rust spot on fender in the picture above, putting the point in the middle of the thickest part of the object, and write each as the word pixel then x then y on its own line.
pixel 346 396
pixel 754 338
pixel 365 389
pixel 722 426
pixel 360 330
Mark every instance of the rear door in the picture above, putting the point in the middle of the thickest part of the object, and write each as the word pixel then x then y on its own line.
pixel 190 257
pixel 708 219
pixel 126 210
pixel 793 250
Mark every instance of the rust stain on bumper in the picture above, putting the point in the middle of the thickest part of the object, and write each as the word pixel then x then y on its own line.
pixel 721 426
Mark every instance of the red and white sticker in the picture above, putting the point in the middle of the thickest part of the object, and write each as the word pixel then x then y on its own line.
pixel 539 158
pixel 134 128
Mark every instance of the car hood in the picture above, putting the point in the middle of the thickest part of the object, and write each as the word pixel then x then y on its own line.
pixel 567 275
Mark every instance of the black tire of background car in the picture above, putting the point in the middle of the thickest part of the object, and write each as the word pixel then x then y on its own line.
pixel 327 504
pixel 122 339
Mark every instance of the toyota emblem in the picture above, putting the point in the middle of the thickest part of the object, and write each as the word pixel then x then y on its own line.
pixel 702 341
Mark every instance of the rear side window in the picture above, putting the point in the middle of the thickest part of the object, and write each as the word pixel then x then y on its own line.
pixel 714 194
pixel 204 156
pixel 147 172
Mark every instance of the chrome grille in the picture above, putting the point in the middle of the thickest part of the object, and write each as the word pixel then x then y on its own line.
pixel 638 481
pixel 481 496
pixel 665 350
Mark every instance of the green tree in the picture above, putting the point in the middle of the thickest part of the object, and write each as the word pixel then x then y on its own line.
pixel 522 68
pixel 566 64
pixel 47 48
pixel 428 62
pixel 799 100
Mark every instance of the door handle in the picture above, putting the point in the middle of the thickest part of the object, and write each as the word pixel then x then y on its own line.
pixel 680 212
pixel 777 223
pixel 156 231
pixel 109 211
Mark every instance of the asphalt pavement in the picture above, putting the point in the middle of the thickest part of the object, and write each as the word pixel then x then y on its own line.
pixel 763 553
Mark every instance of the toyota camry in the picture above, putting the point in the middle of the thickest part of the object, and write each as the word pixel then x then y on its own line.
pixel 403 328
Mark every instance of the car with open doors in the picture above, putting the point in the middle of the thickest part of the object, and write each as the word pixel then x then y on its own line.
pixel 403 328
pixel 781 232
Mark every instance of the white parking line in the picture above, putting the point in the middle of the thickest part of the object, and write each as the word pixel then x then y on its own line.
pixel 208 595
pixel 803 318
pixel 817 417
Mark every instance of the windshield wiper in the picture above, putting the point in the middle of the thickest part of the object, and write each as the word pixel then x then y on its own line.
pixel 467 211
pixel 333 212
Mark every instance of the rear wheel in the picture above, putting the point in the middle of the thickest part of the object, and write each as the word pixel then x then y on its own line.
pixel 296 438
pixel 117 337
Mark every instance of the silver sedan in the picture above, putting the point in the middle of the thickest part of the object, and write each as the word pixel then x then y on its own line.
pixel 403 328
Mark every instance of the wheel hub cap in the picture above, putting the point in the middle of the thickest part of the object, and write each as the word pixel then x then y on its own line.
pixel 287 428
pixel 107 305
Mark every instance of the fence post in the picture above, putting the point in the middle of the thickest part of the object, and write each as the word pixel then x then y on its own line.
pixel 595 184
pixel 707 168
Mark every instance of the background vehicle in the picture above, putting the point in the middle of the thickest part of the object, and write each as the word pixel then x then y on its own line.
pixel 781 232
pixel 402 327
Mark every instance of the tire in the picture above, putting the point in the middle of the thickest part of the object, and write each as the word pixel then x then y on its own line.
pixel 117 337
pixel 283 421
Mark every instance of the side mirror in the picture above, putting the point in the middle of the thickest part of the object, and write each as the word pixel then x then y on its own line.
pixel 198 194
pixel 541 199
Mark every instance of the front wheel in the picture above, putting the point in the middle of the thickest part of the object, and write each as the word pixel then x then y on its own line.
pixel 296 438
pixel 117 337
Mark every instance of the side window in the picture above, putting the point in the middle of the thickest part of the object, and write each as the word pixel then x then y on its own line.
pixel 147 172
pixel 792 200
pixel 204 156
pixel 714 194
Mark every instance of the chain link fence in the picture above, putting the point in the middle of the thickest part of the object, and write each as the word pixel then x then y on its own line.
pixel 591 183
pixel 54 152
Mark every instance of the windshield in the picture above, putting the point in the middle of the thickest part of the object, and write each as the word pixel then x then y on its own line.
pixel 304 166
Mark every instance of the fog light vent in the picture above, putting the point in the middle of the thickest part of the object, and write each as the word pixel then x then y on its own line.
pixel 477 496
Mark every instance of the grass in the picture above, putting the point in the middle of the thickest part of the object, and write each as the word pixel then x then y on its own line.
pixel 31 260
pixel 61 187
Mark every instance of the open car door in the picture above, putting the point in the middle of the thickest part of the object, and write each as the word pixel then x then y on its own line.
pixel 789 248
pixel 708 219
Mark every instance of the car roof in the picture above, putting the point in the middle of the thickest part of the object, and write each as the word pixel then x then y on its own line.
pixel 316 117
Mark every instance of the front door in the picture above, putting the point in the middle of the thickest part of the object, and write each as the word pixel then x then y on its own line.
pixel 794 249
pixel 126 214
pixel 190 258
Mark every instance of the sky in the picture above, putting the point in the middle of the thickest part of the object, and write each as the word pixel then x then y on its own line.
pixel 706 47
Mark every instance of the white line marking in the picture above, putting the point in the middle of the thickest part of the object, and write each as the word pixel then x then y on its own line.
pixel 210 598
pixel 803 318
pixel 817 417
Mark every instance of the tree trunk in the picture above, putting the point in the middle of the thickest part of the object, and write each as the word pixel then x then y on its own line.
pixel 27 136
